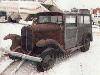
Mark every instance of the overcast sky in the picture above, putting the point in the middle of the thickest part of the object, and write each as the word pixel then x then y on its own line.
pixel 67 4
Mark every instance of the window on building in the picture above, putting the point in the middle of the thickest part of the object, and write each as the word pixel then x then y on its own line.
pixel 95 16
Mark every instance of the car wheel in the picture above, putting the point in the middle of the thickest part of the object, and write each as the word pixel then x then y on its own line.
pixel 49 56
pixel 86 44
pixel 48 60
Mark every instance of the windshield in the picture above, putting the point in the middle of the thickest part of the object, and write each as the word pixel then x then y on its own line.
pixel 50 19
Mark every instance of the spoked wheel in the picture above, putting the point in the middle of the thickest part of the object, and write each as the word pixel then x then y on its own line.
pixel 49 57
pixel 86 43
pixel 48 60
pixel 46 64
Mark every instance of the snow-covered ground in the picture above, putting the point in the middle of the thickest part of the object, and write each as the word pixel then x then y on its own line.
pixel 87 63
pixel 26 22
pixel 7 28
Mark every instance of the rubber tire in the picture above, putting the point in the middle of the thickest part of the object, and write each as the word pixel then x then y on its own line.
pixel 48 60
pixel 49 57
pixel 86 43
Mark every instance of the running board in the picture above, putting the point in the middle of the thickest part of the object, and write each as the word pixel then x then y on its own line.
pixel 71 50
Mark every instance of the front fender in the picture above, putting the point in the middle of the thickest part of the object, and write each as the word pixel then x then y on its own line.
pixel 49 43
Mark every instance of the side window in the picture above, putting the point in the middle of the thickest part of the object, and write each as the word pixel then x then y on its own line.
pixel 71 20
pixel 60 20
pixel 44 19
pixel 54 19
pixel 80 19
pixel 86 19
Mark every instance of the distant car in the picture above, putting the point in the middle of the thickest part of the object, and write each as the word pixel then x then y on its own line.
pixel 14 17
pixel 3 16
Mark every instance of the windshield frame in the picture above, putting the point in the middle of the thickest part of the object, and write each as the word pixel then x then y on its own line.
pixel 50 14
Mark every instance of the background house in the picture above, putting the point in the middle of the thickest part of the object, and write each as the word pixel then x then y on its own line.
pixel 96 16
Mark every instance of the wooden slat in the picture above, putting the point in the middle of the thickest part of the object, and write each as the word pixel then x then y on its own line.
pixel 5 64
pixel 17 68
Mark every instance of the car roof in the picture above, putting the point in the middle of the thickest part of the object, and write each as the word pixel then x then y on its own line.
pixel 50 13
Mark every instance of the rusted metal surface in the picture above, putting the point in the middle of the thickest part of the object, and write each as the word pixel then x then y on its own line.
pixel 51 31
pixel 67 35
pixel 49 27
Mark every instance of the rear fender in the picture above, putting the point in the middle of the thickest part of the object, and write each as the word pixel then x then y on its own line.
pixel 88 35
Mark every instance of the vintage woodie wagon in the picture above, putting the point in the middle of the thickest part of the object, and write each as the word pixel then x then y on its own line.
pixel 56 35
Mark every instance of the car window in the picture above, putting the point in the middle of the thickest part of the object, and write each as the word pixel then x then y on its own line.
pixel 50 19
pixel 70 20
pixel 44 19
pixel 54 19
pixel 80 19
pixel 86 19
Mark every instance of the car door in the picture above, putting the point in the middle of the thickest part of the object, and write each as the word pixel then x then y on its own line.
pixel 70 31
